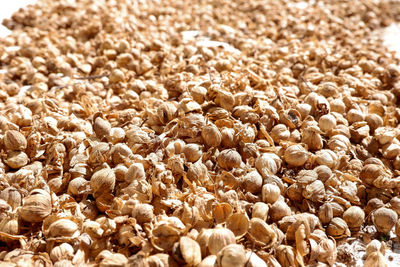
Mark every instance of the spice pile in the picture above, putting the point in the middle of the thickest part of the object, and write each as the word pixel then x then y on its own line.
pixel 198 133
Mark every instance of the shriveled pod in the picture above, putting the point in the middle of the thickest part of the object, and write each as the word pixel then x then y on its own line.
pixel 339 142
pixel 325 213
pixel 370 172
pixel 270 193
pixel 116 135
pixel 203 239
pixel 9 225
pixel 305 177
pixel 231 255
pixel 238 223
pixel 229 159
pixel 62 252
pixel 187 251
pixel 287 256
pixel 14 140
pixel 77 186
pixel 135 172
pixel 166 112
pixel 166 231
pixel 252 182
pixel 327 251
pixel 36 206
pixel 63 263
pixel 312 138
pixel 323 172
pixel 268 163
pixel 103 181
pixel 120 153
pixel 192 152
pixel 326 157
pixel 252 260
pixel 354 217
pixel 384 219
pixel 12 196
pixel 314 191
pixel 209 261
pixel 62 228
pixel 143 213
pixel 280 133
pixel 261 233
pixel 211 135
pixel 219 238
pixel 385 135
pixel 327 122
pixel 260 210
pixel 221 212
pixel 310 221
pixel 296 155
pixel 337 228
pixel 279 210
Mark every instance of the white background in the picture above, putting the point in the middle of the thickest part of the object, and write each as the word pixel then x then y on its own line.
pixel 6 10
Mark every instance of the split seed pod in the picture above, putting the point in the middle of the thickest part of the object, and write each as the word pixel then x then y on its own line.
pixel 261 233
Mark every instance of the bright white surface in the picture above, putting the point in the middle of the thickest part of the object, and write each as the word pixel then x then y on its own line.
pixel 8 8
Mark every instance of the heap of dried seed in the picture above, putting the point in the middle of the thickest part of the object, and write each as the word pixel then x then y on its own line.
pixel 198 133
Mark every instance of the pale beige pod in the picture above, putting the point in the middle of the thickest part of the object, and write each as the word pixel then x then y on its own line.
pixel 279 210
pixel 203 239
pixel 280 133
pixel 337 228
pixel 260 210
pixel 327 122
pixel 187 251
pixel 209 261
pixel 231 255
pixel 326 157
pixel 252 260
pixel 14 140
pixel 384 219
pixel 270 193
pixel 229 159
pixel 63 251
pixel 296 155
pixel 252 182
pixel 36 206
pixel 102 181
pixel 62 228
pixel 354 217
pixel 268 163
pixel 219 238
